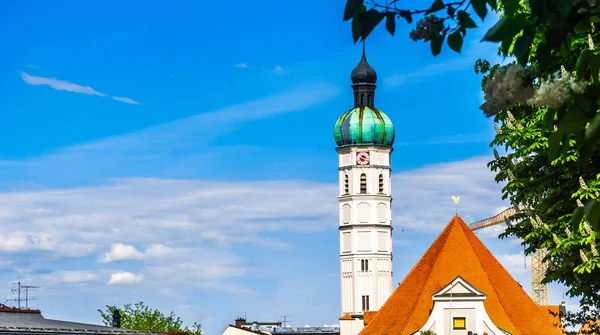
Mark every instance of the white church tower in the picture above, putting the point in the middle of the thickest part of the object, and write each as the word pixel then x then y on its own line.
pixel 364 137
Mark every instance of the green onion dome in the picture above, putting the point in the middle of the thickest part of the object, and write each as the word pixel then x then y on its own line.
pixel 364 125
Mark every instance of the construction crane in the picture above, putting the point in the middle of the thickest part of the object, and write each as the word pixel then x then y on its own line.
pixel 539 290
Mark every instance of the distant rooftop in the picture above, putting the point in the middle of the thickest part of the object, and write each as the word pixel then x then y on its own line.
pixel 16 320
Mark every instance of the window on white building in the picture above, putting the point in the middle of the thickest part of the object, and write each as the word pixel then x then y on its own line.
pixel 380 183
pixel 459 323
pixel 365 303
pixel 363 183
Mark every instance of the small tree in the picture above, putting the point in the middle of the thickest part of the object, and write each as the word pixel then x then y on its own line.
pixel 143 318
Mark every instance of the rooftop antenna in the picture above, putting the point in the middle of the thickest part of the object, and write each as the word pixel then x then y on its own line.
pixel 27 287
pixel 19 298
pixel 285 319
pixel 456 199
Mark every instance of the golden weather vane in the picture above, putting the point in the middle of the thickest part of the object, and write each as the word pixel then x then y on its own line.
pixel 456 199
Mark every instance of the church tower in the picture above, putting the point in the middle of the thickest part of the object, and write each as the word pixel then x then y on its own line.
pixel 364 137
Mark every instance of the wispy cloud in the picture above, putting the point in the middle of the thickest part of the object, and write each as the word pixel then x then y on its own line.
pixel 60 85
pixel 32 66
pixel 126 100
pixel 277 69
pixel 63 85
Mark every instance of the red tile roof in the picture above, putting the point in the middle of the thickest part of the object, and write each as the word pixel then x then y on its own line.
pixel 369 316
pixel 458 252
pixel 346 317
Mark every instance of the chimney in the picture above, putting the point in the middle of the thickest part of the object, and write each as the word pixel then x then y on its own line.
pixel 239 322
pixel 116 319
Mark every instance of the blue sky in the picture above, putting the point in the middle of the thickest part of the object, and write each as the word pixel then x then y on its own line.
pixel 182 155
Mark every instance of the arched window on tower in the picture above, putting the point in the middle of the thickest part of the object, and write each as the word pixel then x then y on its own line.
pixel 364 265
pixel 370 100
pixel 380 183
pixel 364 100
pixel 363 183
pixel 346 184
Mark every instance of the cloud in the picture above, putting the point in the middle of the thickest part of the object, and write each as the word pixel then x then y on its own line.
pixel 60 85
pixel 126 100
pixel 278 69
pixel 241 65
pixel 32 66
pixel 63 85
pixel 121 252
pixel 125 278
pixel 68 277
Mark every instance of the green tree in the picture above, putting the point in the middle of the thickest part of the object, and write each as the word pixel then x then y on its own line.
pixel 143 318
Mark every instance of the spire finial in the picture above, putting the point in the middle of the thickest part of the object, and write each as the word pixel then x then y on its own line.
pixel 364 55
pixel 456 200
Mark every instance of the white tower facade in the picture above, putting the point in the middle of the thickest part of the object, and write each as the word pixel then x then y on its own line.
pixel 365 228
pixel 364 137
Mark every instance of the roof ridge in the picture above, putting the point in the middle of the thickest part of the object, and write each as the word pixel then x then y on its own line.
pixel 468 232
pixel 446 234
pixel 443 236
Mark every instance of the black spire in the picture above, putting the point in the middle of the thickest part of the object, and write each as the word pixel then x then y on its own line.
pixel 363 79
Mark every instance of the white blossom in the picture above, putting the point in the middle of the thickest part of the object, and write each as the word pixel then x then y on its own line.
pixel 557 89
pixel 586 228
pixel 594 250
pixel 579 203
pixel 506 88
pixel 582 183
pixel 583 256
pixel 497 129
pixel 555 238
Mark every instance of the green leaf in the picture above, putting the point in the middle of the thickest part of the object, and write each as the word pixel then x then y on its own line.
pixel 506 28
pixel 576 218
pixel 368 21
pixel 583 62
pixel 436 6
pixel 352 8
pixel 592 211
pixel 554 145
pixel 455 41
pixel 522 47
pixel 390 23
pixel 465 20
pixel 406 15
pixel 480 7
pixel 436 44
pixel 543 53
pixel 511 6
pixel 355 29
pixel 451 11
